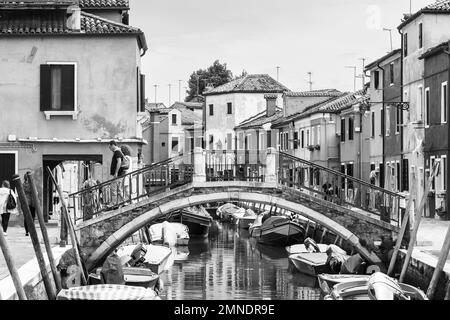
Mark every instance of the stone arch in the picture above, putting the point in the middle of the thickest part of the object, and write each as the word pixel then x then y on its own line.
pixel 131 227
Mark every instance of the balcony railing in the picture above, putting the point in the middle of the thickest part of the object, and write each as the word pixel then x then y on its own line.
pixel 336 187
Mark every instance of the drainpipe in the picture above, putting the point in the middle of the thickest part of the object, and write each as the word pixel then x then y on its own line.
pixel 447 200
pixel 384 127
pixel 401 100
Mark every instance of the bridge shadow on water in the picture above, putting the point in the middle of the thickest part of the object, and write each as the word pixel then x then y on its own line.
pixel 230 265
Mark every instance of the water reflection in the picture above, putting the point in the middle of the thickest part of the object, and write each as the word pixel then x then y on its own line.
pixel 229 265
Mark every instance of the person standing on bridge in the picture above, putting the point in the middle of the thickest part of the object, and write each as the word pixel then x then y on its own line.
pixel 116 171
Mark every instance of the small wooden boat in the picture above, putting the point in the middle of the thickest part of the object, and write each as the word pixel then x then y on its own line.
pixel 161 233
pixel 139 277
pixel 301 248
pixel 151 256
pixel 108 292
pixel 244 220
pixel 225 212
pixel 310 263
pixel 277 231
pixel 327 281
pixel 198 221
pixel 378 287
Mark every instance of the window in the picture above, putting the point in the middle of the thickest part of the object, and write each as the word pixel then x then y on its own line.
pixel 229 108
pixel 444 173
pixel 229 141
pixel 249 142
pixel 388 121
pixel 286 141
pixel 174 119
pixel 427 106
pixel 420 103
pixel 318 135
pixel 398 120
pixel 58 87
pixel 350 128
pixel 405 45
pixel 376 79
pixel 391 73
pixel 343 180
pixel 381 175
pixel 296 140
pixel 307 138
pixel 163 144
pixel 381 122
pixel 302 139
pixel 269 138
pixel 405 175
pixel 398 174
pixel 141 91
pixel 444 102
pixel 211 142
pixel 262 141
pixel 373 124
pixel 211 109
pixel 350 173
pixel 342 129
pixel 175 144
pixel 420 35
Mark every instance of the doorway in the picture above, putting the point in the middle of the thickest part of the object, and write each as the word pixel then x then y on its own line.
pixel 8 165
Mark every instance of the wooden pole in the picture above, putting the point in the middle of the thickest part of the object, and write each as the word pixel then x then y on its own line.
pixel 12 268
pixel 400 236
pixel 440 266
pixel 48 247
pixel 34 237
pixel 418 217
pixel 70 228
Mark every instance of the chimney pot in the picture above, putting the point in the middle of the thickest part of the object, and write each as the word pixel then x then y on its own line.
pixel 74 20
pixel 271 104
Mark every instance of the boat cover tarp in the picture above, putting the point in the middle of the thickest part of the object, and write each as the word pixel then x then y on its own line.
pixel 229 209
pixel 180 230
pixel 107 292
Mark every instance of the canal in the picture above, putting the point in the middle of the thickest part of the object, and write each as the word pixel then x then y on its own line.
pixel 231 265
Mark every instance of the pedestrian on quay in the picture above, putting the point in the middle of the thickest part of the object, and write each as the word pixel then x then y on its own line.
pixel 8 204
pixel 31 205
pixel 116 171
pixel 127 168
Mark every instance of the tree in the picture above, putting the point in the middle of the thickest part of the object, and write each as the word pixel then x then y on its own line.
pixel 215 75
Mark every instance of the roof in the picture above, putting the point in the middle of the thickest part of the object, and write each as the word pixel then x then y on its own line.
pixel 51 22
pixel 260 119
pixel 104 4
pixel 192 105
pixel 436 8
pixel 36 4
pixel 434 50
pixel 254 83
pixel 315 93
pixel 383 58
pixel 189 117
pixel 332 105
pixel 157 107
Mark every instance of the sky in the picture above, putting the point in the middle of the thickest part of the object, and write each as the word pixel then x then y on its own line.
pixel 298 36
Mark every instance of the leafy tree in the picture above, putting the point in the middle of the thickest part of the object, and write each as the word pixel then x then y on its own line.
pixel 215 75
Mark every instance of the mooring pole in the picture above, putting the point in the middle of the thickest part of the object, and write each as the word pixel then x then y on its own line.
pixel 40 216
pixel 12 267
pixel 71 228
pixel 34 237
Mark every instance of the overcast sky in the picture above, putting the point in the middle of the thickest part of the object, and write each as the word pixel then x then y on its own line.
pixel 320 36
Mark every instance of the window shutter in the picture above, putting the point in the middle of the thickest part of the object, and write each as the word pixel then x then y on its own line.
pixel 68 87
pixel 142 93
pixel 45 87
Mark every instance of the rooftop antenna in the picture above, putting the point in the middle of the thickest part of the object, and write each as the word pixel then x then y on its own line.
pixel 354 76
pixel 170 89
pixel 179 90
pixel 390 35
pixel 410 6
pixel 363 74
pixel 278 73
pixel 310 81
pixel 156 89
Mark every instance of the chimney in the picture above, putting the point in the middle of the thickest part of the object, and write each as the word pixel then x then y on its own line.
pixel 271 104
pixel 74 19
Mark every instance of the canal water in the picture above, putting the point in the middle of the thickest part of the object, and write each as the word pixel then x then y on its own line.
pixel 231 265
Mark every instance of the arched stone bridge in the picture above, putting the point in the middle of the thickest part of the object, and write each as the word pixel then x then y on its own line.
pixel 101 235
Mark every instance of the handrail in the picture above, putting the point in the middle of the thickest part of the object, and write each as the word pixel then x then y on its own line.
pixel 362 182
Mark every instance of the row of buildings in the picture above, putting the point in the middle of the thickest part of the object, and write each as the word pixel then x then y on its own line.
pixel 389 133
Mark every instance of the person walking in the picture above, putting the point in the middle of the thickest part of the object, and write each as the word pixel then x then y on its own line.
pixel 31 205
pixel 127 168
pixel 116 171
pixel 8 204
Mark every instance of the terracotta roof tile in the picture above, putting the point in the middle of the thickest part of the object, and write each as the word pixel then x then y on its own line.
pixel 254 83
pixel 315 93
pixel 104 4
pixel 436 7
pixel 260 119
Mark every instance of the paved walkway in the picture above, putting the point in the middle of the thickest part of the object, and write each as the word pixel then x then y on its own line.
pixel 22 246
pixel 430 237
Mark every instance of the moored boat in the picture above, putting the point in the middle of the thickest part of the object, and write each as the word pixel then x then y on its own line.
pixel 172 233
pixel 301 248
pixel 277 231
pixel 140 277
pixel 108 292
pixel 197 219
pixel 225 212
pixel 244 220
pixel 310 263
pixel 151 256
pixel 327 281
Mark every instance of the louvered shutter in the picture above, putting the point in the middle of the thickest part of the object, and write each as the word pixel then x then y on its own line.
pixel 68 87
pixel 45 87
pixel 142 93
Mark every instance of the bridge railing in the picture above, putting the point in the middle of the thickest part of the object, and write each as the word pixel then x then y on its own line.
pixel 132 187
pixel 339 188
pixel 235 165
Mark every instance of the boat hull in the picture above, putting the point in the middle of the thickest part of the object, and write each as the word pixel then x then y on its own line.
pixel 244 222
pixel 310 263
pixel 285 234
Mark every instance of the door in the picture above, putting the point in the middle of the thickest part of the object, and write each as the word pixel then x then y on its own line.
pixel 7 166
